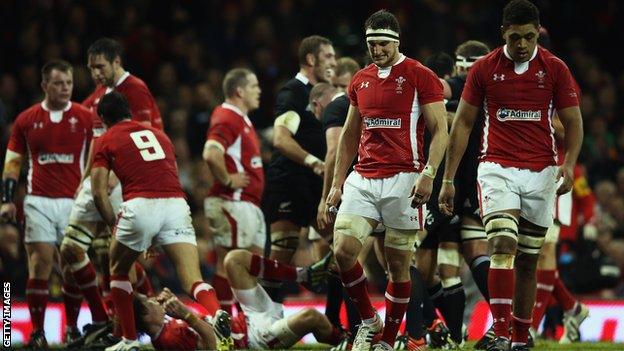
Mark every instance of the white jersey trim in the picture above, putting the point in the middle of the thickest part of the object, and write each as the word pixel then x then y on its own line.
pixel 235 151
pixel 413 129
pixel 486 128
pixel 551 112
pixel 29 177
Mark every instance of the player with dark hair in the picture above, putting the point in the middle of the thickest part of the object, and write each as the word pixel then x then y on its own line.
pixel 154 212
pixel 441 64
pixel 86 228
pixel 390 167
pixel 294 176
pixel 54 136
pixel 232 152
pixel 518 85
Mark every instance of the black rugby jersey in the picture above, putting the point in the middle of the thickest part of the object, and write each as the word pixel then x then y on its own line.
pixel 294 96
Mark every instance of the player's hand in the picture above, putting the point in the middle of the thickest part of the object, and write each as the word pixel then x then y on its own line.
pixel 421 191
pixel 567 173
pixel 164 295
pixel 7 212
pixel 318 168
pixel 445 200
pixel 239 180
pixel 175 308
pixel 150 253
pixel 331 203
pixel 321 215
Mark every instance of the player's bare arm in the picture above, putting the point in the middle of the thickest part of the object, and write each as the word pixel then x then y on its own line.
pixel 436 121
pixel 285 127
pixel 332 137
pixel 10 176
pixel 573 139
pixel 99 185
pixel 213 154
pixel 347 149
pixel 175 308
pixel 463 123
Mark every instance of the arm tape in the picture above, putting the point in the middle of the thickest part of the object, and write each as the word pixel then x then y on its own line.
pixel 9 185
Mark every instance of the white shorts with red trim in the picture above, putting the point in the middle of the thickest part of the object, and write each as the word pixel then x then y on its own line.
pixel 266 326
pixel 235 224
pixel 142 223
pixel 46 218
pixel 84 209
pixel 510 188
pixel 386 200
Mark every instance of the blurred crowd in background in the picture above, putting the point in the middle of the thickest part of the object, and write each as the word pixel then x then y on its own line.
pixel 181 49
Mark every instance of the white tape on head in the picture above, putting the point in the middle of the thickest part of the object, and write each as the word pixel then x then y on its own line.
pixel 384 34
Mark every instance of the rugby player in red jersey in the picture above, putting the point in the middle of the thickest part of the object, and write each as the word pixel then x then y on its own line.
pixel 519 86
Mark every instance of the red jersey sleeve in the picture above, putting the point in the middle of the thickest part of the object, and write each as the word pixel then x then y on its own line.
pixel 474 89
pixel 428 86
pixel 565 91
pixel 223 132
pixel 102 157
pixel 140 101
pixel 351 90
pixel 17 140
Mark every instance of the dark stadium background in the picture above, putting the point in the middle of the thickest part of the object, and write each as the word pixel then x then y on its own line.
pixel 182 49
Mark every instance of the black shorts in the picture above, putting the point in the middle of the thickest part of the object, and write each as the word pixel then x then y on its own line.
pixel 466 198
pixel 295 200
pixel 440 228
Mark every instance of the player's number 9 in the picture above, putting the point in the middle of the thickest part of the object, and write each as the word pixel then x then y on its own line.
pixel 146 142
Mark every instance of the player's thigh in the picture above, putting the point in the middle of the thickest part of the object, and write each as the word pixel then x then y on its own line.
pixel 360 196
pixel 497 190
pixel 176 225
pixel 538 197
pixel 41 220
pixel 395 203
pixel 235 224
pixel 139 220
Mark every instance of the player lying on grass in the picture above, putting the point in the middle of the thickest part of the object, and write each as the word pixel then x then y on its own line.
pixel 265 326
pixel 173 326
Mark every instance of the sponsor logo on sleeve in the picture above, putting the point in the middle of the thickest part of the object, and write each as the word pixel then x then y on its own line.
pixel 372 123
pixel 256 162
pixel 506 114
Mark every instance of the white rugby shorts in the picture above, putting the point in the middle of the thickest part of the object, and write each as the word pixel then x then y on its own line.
pixel 510 188
pixel 235 224
pixel 84 209
pixel 386 200
pixel 46 218
pixel 143 222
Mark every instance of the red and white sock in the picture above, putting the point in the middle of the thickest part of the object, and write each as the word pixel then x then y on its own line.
pixel 501 285
pixel 354 282
pixel 545 285
pixel 520 329
pixel 37 298
pixel 206 296
pixel 563 295
pixel 266 268
pixel 397 298
pixel 84 274
pixel 121 292
pixel 72 299
pixel 143 283
pixel 224 292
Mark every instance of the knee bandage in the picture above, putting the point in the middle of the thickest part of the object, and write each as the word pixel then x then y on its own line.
pixel 284 240
pixel 352 225
pixel 78 235
pixel 552 234
pixel 530 241
pixel 501 225
pixel 502 261
pixel 448 257
pixel 282 332
pixel 401 239
pixel 449 282
pixel 472 232
pixel 101 245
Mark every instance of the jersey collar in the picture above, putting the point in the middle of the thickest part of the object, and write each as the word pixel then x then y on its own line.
pixel 45 107
pixel 237 110
pixel 384 72
pixel 122 78
pixel 337 95
pixel 302 78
